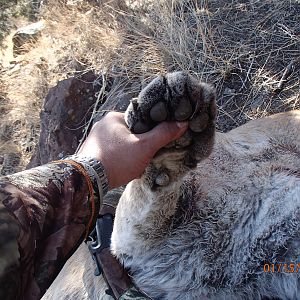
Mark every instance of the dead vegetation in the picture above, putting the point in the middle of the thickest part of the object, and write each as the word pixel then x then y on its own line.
pixel 248 49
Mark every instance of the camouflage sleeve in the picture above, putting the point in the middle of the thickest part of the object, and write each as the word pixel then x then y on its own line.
pixel 44 213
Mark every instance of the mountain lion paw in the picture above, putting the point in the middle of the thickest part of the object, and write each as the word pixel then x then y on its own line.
pixel 176 97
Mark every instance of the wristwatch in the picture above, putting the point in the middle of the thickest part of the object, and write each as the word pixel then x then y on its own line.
pixel 96 172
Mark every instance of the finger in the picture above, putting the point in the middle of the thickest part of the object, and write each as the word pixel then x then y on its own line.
pixel 164 133
pixel 116 116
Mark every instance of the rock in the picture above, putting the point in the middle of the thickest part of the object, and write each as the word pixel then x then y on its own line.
pixel 5 132
pixel 66 110
pixel 228 92
pixel 13 69
pixel 10 163
pixel 119 97
pixel 25 35
pixel 257 101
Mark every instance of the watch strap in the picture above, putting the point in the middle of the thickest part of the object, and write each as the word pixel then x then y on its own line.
pixel 96 171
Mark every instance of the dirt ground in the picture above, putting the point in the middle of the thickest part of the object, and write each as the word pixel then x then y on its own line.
pixel 248 49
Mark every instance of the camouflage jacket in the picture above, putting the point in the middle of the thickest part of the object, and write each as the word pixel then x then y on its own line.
pixel 43 218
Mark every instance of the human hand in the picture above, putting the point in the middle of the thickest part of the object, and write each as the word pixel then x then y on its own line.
pixel 123 154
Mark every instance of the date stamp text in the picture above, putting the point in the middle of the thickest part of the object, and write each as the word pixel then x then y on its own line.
pixel 282 268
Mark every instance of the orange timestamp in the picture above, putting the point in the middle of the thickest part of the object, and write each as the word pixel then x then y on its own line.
pixel 282 268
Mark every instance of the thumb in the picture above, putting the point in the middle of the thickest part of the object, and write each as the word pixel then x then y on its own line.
pixel 164 133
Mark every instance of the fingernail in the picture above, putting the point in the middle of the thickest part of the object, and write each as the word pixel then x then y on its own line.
pixel 182 124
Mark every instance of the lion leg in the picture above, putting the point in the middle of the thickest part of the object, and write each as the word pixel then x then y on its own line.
pixel 147 207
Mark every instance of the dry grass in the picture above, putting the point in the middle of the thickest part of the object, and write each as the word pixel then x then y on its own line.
pixel 242 47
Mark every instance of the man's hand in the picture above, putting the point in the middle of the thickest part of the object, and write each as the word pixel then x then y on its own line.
pixel 123 154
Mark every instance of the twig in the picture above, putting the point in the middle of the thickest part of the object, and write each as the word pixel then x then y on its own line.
pixel 221 110
pixel 247 75
pixel 100 97
pixel 286 74
pixel 286 30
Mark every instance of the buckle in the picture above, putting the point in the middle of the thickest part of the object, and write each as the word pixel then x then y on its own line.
pixel 100 237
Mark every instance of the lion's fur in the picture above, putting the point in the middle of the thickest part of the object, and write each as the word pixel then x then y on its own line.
pixel 208 234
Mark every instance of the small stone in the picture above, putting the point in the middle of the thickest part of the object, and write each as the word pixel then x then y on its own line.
pixel 228 92
pixel 5 132
pixel 15 68
pixel 10 163
pixel 27 34
pixel 61 155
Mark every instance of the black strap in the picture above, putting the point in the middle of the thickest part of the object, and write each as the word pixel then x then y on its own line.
pixel 100 238
pixel 116 277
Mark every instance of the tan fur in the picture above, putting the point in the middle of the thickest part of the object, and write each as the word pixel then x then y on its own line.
pixel 249 185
